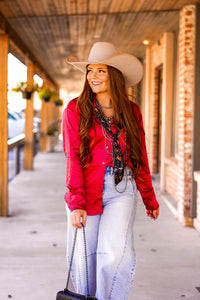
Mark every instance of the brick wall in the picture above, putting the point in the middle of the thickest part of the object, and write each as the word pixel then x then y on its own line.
pixel 185 110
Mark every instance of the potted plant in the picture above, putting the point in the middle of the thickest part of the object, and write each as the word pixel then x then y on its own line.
pixel 58 102
pixel 45 93
pixel 52 138
pixel 26 89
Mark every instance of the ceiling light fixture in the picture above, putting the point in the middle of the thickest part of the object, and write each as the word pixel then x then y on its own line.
pixel 146 42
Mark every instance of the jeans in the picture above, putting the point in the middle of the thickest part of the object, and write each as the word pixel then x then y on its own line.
pixel 110 249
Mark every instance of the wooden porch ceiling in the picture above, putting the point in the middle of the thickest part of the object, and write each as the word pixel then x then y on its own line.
pixel 52 29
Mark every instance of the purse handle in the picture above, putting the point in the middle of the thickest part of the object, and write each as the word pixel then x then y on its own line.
pixel 71 259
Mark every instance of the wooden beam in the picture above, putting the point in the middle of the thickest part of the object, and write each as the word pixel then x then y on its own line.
pixel 43 126
pixel 29 136
pixel 17 47
pixel 108 13
pixel 3 125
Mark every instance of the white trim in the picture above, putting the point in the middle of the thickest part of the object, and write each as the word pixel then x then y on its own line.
pixel 170 206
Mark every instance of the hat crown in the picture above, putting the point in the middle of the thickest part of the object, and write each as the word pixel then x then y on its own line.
pixel 101 51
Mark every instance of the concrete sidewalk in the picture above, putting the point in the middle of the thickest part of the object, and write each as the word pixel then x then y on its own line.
pixel 33 240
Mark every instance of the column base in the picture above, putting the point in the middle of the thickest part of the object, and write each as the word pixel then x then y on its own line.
pixel 186 221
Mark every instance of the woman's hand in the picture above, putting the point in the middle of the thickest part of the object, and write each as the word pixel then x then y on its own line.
pixel 77 217
pixel 153 214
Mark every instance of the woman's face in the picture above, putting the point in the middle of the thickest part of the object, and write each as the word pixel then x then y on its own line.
pixel 97 77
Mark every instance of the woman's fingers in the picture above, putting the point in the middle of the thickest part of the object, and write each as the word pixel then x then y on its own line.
pixel 153 214
pixel 78 216
pixel 156 213
pixel 76 219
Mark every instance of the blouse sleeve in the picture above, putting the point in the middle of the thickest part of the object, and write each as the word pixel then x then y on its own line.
pixel 71 144
pixel 143 179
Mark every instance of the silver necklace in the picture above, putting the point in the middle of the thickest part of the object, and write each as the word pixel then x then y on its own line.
pixel 108 119
pixel 106 107
pixel 101 106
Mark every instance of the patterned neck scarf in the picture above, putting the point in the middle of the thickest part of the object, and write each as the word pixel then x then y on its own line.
pixel 118 164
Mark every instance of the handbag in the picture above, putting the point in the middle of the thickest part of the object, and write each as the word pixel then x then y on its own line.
pixel 66 294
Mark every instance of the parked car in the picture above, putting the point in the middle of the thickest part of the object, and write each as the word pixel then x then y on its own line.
pixel 16 124
pixel 36 123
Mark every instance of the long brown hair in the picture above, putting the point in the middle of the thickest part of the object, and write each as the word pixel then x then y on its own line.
pixel 124 117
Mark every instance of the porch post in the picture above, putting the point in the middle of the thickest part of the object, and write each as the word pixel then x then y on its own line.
pixel 195 206
pixel 29 136
pixel 3 125
pixel 167 100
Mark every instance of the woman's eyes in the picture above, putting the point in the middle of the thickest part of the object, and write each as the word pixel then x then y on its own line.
pixel 100 71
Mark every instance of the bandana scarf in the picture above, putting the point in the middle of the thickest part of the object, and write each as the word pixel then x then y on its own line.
pixel 118 164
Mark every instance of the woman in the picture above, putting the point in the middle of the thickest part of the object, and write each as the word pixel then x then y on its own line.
pixel 107 162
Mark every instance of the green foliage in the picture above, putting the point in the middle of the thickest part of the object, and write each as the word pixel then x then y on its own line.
pixel 26 87
pixel 45 92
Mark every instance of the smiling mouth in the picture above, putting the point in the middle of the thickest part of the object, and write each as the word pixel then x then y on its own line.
pixel 96 83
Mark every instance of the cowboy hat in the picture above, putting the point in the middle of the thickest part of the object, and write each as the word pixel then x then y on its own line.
pixel 107 54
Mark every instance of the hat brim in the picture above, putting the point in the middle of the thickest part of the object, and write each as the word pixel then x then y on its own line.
pixel 128 64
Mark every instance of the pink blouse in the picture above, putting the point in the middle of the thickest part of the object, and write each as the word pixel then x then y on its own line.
pixel 85 185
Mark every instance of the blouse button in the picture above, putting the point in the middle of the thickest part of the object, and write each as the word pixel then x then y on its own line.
pixel 103 163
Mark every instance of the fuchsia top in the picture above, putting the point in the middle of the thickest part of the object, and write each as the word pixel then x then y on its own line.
pixel 85 185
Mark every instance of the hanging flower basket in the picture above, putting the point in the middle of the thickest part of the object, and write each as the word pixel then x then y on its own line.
pixel 45 93
pixel 26 89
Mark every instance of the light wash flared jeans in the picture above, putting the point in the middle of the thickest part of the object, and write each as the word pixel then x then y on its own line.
pixel 110 249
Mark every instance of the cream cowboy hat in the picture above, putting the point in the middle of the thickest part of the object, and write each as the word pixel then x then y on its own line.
pixel 106 53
